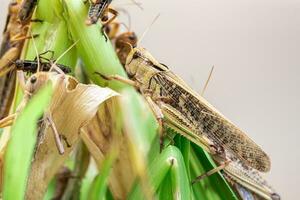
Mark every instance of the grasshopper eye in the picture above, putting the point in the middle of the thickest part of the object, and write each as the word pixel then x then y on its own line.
pixel 33 79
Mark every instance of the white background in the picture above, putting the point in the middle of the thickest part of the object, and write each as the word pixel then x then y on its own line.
pixel 255 47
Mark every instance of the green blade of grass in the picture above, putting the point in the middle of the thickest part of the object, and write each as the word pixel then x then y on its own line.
pixel 98 188
pixel 21 145
pixel 218 188
pixel 169 161
pixel 140 129
pixel 87 181
pixel 97 54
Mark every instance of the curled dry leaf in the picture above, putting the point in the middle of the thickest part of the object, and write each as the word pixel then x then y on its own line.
pixel 104 136
pixel 72 106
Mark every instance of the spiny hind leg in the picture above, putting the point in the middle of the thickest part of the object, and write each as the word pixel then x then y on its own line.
pixel 211 172
pixel 155 105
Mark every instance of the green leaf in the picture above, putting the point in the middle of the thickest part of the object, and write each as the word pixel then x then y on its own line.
pixel 169 161
pixel 98 188
pixel 21 145
pixel 216 185
pixel 97 54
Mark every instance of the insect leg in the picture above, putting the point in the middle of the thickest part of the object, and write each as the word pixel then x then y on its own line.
pixel 6 60
pixel 114 13
pixel 118 78
pixel 211 172
pixel 21 37
pixel 57 136
pixel 7 121
pixel 108 21
pixel 48 51
pixel 159 117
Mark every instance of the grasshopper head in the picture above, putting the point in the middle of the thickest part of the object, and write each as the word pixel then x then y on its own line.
pixel 39 79
pixel 139 58
pixel 132 65
pixel 36 81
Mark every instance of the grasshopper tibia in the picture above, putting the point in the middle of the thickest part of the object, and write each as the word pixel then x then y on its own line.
pixel 57 136
pixel 117 78
pixel 211 172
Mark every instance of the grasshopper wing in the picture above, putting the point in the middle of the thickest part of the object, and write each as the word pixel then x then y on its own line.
pixel 209 122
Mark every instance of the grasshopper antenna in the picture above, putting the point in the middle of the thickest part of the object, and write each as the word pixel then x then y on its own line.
pixel 147 29
pixel 64 53
pixel 207 81
pixel 37 54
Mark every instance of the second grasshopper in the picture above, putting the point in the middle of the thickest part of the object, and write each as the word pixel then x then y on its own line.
pixel 176 105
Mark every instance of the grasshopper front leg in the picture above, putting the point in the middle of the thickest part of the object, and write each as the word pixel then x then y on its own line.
pixel 57 137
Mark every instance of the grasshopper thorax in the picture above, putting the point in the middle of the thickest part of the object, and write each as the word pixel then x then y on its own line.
pixel 140 63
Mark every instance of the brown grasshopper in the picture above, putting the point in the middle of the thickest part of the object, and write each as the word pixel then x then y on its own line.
pixel 13 39
pixel 122 42
pixel 180 108
pixel 32 85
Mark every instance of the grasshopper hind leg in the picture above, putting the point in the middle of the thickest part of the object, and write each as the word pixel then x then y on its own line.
pixel 211 172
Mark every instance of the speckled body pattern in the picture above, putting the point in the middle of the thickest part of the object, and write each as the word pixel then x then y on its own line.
pixel 237 173
pixel 202 120
pixel 97 10
pixel 31 66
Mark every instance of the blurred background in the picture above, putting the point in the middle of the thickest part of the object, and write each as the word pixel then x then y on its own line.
pixel 254 46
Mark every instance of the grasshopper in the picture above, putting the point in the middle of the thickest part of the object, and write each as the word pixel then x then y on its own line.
pixel 99 9
pixel 122 42
pixel 26 10
pixel 30 87
pixel 179 107
pixel 31 66
pixel 13 39
pixel 122 47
